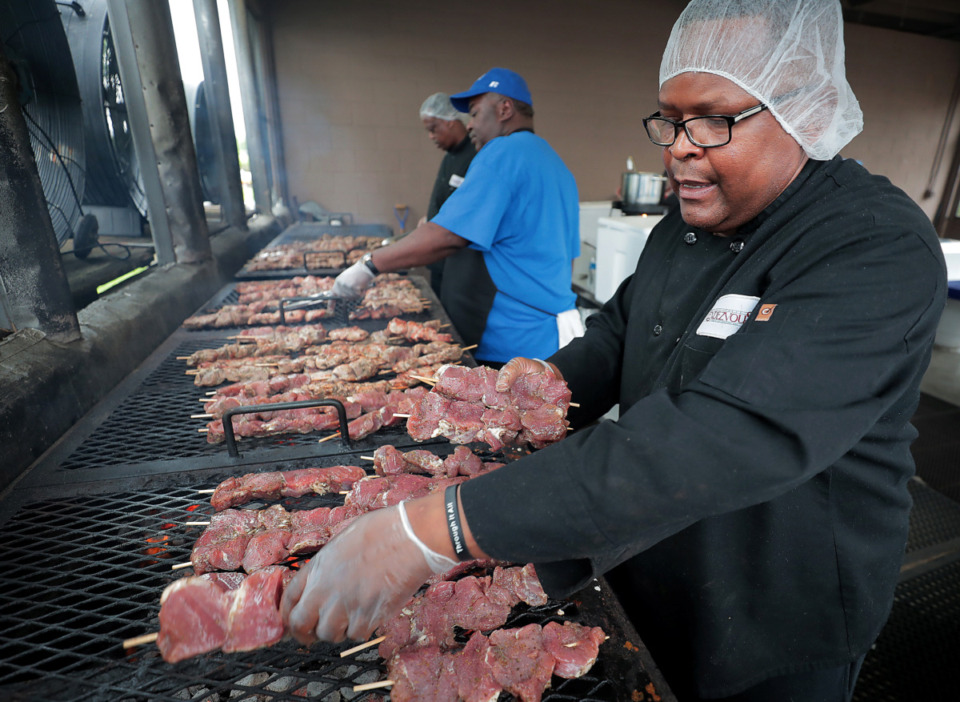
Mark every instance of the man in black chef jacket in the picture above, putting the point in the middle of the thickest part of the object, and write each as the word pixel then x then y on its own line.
pixel 444 124
pixel 749 507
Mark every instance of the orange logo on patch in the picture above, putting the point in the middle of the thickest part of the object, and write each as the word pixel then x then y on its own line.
pixel 766 311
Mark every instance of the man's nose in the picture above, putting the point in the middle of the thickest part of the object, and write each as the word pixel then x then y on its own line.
pixel 682 147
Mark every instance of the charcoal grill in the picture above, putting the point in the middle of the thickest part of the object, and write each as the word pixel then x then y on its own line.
pixel 84 563
pixel 310 231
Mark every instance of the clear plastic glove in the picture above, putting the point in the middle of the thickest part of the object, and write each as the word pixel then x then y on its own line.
pixel 516 367
pixel 358 580
pixel 353 281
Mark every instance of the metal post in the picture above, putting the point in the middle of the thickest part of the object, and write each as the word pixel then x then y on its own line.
pixel 147 56
pixel 32 280
pixel 268 74
pixel 251 105
pixel 221 123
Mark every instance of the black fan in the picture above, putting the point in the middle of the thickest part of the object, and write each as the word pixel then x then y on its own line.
pixel 113 171
pixel 34 41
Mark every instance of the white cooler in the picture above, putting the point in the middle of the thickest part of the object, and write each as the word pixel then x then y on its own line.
pixel 619 243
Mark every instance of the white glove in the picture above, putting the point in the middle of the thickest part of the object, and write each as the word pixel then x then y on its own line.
pixel 358 580
pixel 353 281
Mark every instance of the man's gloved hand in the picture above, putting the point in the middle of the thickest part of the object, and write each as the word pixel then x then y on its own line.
pixel 359 579
pixel 516 367
pixel 353 281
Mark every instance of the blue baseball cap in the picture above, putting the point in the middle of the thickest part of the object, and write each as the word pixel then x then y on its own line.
pixel 496 80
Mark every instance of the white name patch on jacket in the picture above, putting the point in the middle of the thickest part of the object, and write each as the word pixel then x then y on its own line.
pixel 727 316
pixel 456 180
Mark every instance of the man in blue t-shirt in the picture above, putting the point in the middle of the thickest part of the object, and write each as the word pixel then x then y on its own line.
pixel 516 215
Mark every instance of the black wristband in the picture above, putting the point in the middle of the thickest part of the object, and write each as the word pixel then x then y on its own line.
pixel 368 262
pixel 454 527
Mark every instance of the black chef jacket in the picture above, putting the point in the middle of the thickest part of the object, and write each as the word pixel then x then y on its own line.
pixel 455 163
pixel 753 492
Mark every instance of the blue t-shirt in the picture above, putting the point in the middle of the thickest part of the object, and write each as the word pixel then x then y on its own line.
pixel 519 206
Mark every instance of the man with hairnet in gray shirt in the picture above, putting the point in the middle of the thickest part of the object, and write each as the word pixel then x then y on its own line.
pixel 445 126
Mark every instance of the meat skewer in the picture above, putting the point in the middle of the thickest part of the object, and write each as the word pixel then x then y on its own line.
pixel 274 485
pixel 417 331
pixel 519 661
pixel 471 603
pixel 464 406
pixel 349 362
pixel 265 422
pixel 207 612
pixel 253 539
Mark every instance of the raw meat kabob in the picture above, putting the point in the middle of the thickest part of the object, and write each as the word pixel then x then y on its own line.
pixel 253 539
pixel 464 406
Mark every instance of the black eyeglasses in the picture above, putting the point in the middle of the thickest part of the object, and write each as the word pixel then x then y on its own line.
pixel 706 131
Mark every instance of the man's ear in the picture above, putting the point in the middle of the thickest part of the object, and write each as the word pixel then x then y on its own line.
pixel 505 109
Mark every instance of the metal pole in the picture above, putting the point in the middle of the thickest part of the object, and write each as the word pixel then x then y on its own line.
pixel 268 74
pixel 32 280
pixel 221 122
pixel 150 71
pixel 251 105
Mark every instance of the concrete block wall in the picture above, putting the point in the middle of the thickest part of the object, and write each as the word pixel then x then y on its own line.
pixel 351 78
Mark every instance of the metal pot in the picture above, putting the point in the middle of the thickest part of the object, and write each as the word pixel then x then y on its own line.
pixel 641 188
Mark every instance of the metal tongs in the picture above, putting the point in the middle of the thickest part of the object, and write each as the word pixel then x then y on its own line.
pixel 297 303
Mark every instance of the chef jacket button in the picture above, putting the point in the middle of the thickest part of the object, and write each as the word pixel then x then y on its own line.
pixel 736 246
pixel 657 330
pixel 690 238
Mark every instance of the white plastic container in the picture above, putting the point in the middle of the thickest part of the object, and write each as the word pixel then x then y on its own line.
pixel 619 243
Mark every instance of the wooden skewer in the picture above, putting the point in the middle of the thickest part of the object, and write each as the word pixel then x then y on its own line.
pixel 201 416
pixel 178 566
pixel 373 685
pixel 368 644
pixel 422 379
pixel 196 523
pixel 368 458
pixel 332 436
pixel 211 392
pixel 204 400
pixel 574 404
pixel 207 491
pixel 140 640
pixel 471 347
pixel 191 372
pixel 183 358
pixel 203 431
pixel 404 416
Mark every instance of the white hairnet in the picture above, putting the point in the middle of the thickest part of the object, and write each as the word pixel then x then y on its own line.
pixel 438 105
pixel 786 53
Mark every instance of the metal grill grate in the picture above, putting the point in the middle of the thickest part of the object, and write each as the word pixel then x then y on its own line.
pixel 340 309
pixel 310 231
pixel 80 575
pixel 153 424
pixel 935 519
pixel 915 656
